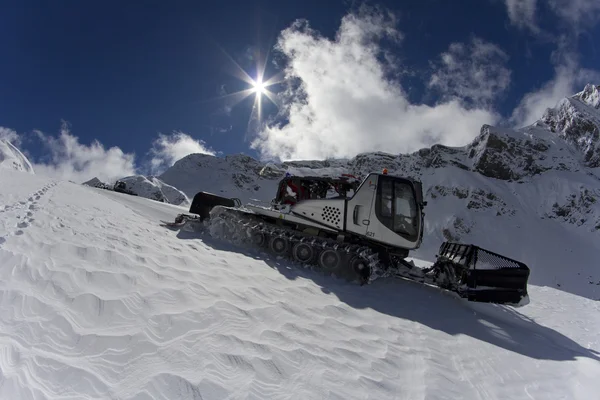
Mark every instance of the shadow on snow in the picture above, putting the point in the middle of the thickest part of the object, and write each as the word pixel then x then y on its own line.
pixel 498 325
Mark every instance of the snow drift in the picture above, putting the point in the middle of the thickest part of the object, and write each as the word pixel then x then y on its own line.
pixel 98 301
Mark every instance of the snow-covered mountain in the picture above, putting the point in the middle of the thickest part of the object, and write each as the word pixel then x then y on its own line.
pixel 153 188
pixel 98 301
pixel 541 183
pixel 577 120
pixel 97 183
pixel 240 175
pixel 12 158
pixel 149 187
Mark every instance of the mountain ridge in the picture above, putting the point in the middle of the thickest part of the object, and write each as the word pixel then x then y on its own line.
pixel 497 152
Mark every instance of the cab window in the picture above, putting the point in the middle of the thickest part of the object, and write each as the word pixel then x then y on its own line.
pixel 387 197
pixel 397 207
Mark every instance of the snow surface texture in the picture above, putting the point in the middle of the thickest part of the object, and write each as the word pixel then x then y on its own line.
pixel 532 194
pixel 98 301
pixel 12 158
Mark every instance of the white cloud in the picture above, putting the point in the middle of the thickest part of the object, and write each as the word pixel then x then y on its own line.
pixel 166 150
pixel 474 72
pixel 568 79
pixel 522 14
pixel 344 103
pixel 577 13
pixel 66 158
pixel 74 161
pixel 10 136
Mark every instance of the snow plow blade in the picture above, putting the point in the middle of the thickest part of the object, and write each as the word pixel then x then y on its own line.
pixel 485 276
pixel 200 209
pixel 204 202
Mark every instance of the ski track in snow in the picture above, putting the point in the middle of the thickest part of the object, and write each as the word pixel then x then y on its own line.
pixel 100 302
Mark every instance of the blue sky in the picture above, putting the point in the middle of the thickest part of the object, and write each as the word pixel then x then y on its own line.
pixel 114 88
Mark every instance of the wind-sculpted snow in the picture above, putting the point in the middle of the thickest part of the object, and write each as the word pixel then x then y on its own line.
pixel 97 301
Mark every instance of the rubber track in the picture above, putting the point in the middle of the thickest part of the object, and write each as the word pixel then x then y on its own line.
pixel 243 227
pixel 240 226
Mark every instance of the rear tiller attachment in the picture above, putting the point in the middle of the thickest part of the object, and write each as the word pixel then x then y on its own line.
pixel 483 276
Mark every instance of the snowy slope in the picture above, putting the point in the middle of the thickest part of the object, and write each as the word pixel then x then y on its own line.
pixel 98 301
pixel 12 158
pixel 532 194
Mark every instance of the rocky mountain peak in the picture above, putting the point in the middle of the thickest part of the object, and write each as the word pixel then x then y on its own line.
pixel 512 155
pixel 577 120
pixel 590 96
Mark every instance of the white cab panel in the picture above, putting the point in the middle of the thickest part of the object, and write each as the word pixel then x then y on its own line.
pixel 287 217
pixel 328 212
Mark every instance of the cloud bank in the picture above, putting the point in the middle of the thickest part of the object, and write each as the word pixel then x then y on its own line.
pixel 68 159
pixel 343 102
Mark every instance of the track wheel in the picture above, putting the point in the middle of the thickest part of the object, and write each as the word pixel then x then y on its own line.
pixel 258 239
pixel 361 268
pixel 303 252
pixel 330 260
pixel 279 245
pixel 231 233
pixel 218 229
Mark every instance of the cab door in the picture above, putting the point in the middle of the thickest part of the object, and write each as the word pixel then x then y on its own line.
pixel 396 218
pixel 358 208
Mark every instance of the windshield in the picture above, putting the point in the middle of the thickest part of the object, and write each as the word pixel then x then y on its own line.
pixel 397 207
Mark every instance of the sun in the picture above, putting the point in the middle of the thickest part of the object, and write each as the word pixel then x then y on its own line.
pixel 259 87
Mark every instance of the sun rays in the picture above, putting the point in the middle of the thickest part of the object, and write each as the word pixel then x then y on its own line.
pixel 258 86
